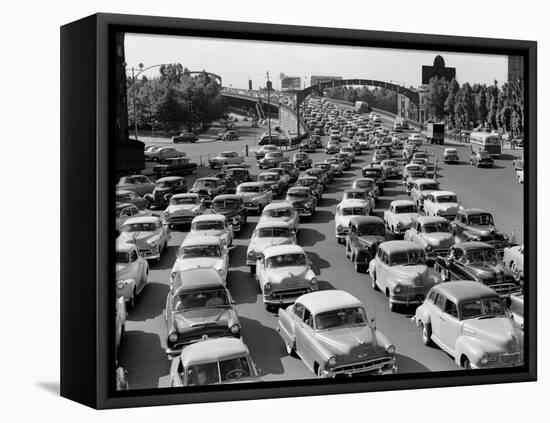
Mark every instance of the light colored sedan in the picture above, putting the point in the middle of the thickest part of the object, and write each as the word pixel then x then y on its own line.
pixel 132 272
pixel 202 251
pixel 268 233
pixel 148 234
pixel 212 225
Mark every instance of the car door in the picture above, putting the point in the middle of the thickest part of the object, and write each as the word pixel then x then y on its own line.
pixel 136 268
pixel 436 317
pixel 304 333
pixel 382 270
pixel 449 325
pixel 456 265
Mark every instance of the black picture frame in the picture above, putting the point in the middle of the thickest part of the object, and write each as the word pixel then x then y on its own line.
pixel 87 358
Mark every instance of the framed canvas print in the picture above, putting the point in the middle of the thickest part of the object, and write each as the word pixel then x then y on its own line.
pixel 255 211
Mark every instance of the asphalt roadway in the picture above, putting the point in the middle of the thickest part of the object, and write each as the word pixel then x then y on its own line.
pixel 142 347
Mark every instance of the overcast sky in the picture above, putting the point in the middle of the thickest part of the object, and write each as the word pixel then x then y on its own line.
pixel 236 61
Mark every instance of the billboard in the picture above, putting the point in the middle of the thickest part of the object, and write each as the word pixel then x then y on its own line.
pixel 315 79
pixel 291 83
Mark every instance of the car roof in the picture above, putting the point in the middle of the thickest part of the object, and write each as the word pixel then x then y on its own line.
pixel 169 178
pixel 228 152
pixel 186 195
pixel 426 181
pixel 459 291
pixel 209 217
pixel 298 189
pixel 402 203
pixel 208 178
pixel 361 220
pixel 270 223
pixel 400 246
pixel 474 245
pixel 251 184
pixel 123 191
pixel 354 190
pixel 212 350
pixel 469 212
pixel 227 197
pixel 308 177
pixel 328 300
pixel 430 219
pixel 268 173
pixel 283 249
pixel 184 280
pixel 142 219
pixel 441 193
pixel 201 240
pixel 278 205
pixel 352 202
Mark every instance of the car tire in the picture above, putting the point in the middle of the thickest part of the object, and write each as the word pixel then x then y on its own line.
pixel 465 363
pixel 426 333
pixel 374 284
pixel 132 300
pixel 252 269
pixel 393 307
pixel 291 349
pixel 444 274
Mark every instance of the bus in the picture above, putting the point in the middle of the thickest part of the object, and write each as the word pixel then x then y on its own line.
pixel 485 141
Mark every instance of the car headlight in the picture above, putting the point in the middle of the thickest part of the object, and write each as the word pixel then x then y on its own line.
pixel 267 286
pixel 173 337
pixel 219 269
pixel 122 284
pixel 484 359
pixel 273 186
pixel 313 281
pixel 429 247
pixel 399 224
pixel 331 361
pixel 439 213
pixel 339 228
pixel 235 329
pixel 153 243
pixel 390 349
pixel 505 237
pixel 398 289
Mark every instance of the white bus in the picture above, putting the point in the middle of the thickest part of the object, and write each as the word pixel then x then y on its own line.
pixel 485 141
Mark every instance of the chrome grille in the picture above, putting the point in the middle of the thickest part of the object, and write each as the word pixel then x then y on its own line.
pixel 365 366
pixel 286 293
pixel 511 357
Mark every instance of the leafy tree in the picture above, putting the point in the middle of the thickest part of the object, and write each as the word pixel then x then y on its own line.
pixel 438 93
pixel 450 102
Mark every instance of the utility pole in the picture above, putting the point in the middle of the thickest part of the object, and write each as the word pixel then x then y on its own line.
pixel 135 105
pixel 268 106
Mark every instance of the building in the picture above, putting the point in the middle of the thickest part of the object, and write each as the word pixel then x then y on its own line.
pixel 515 68
pixel 438 69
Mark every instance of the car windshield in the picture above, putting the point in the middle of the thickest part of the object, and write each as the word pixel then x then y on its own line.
pixel 429 187
pixel 299 194
pixel 225 204
pixel 436 227
pixel 481 308
pixel 341 318
pixel 208 225
pixel 205 183
pixel 286 212
pixel 300 156
pixel 236 173
pixel 201 299
pixel 203 374
pixel 408 258
pixel 371 229
pixel 306 182
pixel 123 258
pixel 482 256
pixel 410 208
pixel 371 171
pixel 165 184
pixel 273 233
pixel 285 260
pixel 353 211
pixel 361 195
pixel 322 166
pixel 446 199
pixel 124 197
pixel 184 200
pixel 249 189
pixel 268 178
pixel 480 219
pixel 140 227
pixel 195 251
pixel 364 184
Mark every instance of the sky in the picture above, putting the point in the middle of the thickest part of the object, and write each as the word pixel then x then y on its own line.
pixel 236 61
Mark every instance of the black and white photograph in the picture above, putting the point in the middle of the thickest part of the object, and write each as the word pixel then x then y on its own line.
pixel 290 211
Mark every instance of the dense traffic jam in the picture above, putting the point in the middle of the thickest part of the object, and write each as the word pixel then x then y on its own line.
pixel 444 262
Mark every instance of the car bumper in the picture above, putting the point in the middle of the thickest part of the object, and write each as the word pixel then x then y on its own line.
pixel 385 368
pixel 150 254
pixel 286 297
pixel 179 220
pixel 411 299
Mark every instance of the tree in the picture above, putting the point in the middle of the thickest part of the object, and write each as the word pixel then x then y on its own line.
pixel 482 107
pixel 438 93
pixel 450 102
pixel 493 105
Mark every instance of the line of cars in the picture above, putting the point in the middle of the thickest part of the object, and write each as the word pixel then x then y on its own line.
pixel 476 315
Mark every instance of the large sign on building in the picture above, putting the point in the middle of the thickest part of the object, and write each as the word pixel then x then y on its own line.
pixel 438 70
pixel 291 83
pixel 315 79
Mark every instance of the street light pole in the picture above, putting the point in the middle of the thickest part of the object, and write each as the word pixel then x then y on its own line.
pixel 268 105
pixel 135 106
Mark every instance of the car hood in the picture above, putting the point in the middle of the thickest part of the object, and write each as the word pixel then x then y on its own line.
pixel 250 195
pixel 220 316
pixel 483 230
pixel 343 220
pixel 136 236
pixel 486 270
pixel 200 234
pixel 227 212
pixel 182 209
pixel 194 263
pixel 439 239
pixel 447 207
pixel 288 276
pixel 260 244
pixel 352 343
pixel 297 203
pixel 499 331
pixel 406 218
pixel 415 275
pixel 122 271
pixel 370 240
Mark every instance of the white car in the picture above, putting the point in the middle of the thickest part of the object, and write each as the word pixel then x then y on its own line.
pixel 284 211
pixel 183 208
pixel 132 272
pixel 212 225
pixel 225 158
pixel 148 234
pixel 345 210
pixel 433 233
pixel 284 273
pixel 421 188
pixel 268 233
pixel 400 215
pixel 513 260
pixel 442 203
pixel 204 252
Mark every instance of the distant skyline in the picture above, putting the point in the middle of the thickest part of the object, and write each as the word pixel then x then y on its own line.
pixel 236 61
